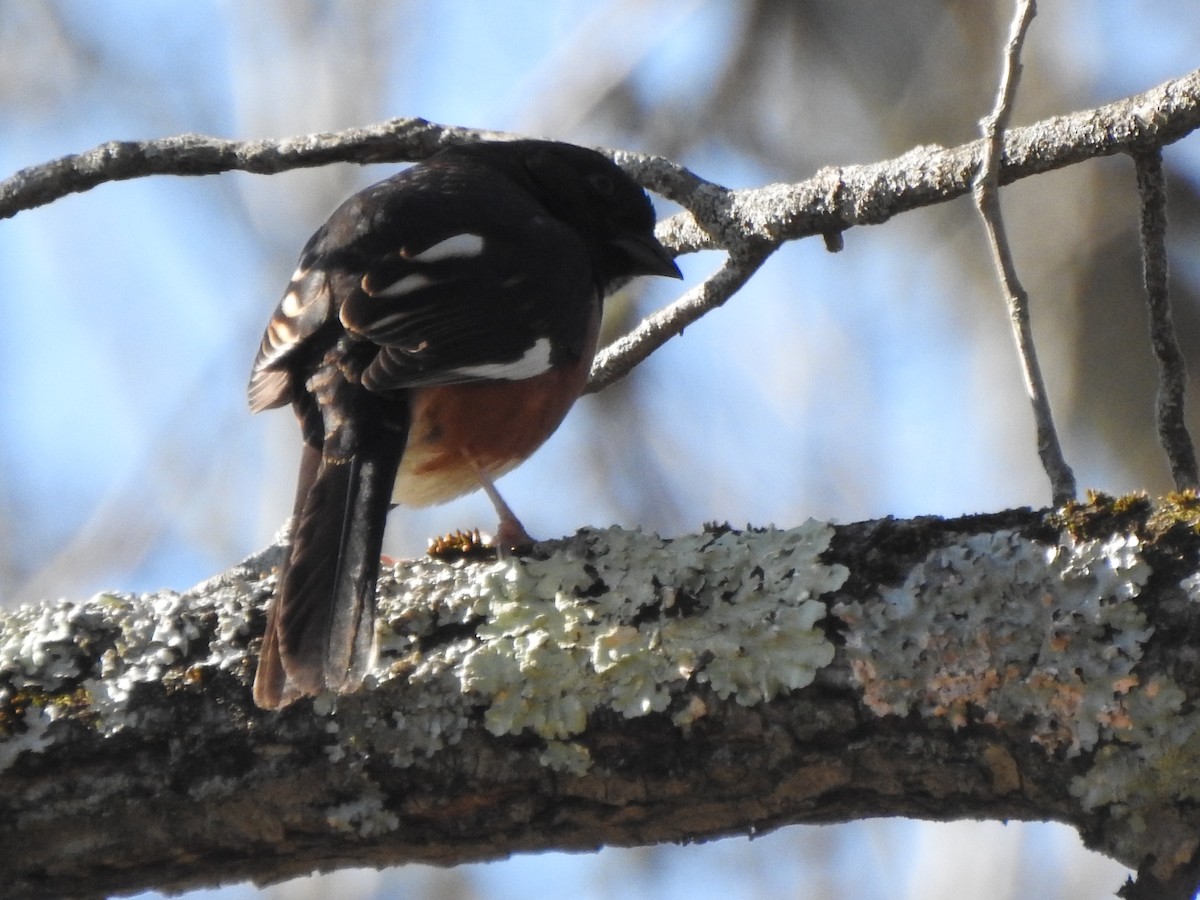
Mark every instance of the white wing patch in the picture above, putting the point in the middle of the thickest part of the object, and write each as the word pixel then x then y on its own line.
pixel 460 246
pixel 291 305
pixel 534 361
pixel 406 285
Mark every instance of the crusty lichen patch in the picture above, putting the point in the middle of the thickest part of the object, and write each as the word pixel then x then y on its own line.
pixel 1008 630
pixel 621 621
pixel 85 659
pixel 1005 627
pixel 992 627
pixel 366 816
pixel 614 620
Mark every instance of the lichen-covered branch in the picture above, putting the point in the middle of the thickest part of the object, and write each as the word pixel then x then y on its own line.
pixel 836 199
pixel 620 688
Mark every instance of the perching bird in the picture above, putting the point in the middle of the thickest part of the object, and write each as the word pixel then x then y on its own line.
pixel 436 331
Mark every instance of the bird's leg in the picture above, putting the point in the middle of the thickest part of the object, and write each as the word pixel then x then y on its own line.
pixel 510 533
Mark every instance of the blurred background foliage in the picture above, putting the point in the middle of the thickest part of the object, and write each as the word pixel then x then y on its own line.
pixel 877 381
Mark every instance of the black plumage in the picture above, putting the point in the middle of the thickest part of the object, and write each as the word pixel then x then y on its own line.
pixel 435 331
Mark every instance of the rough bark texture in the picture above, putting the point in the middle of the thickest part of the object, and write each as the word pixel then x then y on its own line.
pixel 131 756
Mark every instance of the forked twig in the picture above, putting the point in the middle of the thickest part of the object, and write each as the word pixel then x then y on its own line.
pixel 987 198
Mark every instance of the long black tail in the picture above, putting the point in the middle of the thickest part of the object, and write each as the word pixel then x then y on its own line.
pixel 321 625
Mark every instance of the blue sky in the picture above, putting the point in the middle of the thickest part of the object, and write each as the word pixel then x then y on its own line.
pixel 838 386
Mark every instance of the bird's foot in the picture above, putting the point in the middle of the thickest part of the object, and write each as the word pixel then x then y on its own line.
pixel 511 537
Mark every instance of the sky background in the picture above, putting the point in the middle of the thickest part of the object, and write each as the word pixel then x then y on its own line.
pixel 877 381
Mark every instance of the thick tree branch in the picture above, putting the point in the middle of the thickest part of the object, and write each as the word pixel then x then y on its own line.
pixel 623 689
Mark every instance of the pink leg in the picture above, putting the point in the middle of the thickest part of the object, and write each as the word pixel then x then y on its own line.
pixel 510 534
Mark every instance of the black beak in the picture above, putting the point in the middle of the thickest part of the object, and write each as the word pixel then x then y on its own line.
pixel 646 256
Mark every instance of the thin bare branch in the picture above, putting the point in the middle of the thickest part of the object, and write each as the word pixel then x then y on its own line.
pixel 1172 370
pixel 617 359
pixel 836 199
pixel 987 198
pixel 196 154
pixel 833 200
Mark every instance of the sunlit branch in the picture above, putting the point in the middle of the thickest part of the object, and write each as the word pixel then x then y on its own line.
pixel 832 200
pixel 196 154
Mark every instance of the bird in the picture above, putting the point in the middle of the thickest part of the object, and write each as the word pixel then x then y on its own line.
pixel 435 332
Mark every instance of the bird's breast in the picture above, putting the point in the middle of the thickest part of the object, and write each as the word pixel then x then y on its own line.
pixel 494 424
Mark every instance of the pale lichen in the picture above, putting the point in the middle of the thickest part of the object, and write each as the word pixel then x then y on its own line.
pixel 566 756
pixel 366 816
pixel 33 736
pixel 89 657
pixel 625 622
pixel 1191 587
pixel 1007 627
pixel 1013 631
pixel 615 620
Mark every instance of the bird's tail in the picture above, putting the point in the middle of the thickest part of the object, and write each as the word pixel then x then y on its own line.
pixel 321 623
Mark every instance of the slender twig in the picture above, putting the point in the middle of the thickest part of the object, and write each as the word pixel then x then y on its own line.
pixel 617 359
pixel 987 198
pixel 1172 371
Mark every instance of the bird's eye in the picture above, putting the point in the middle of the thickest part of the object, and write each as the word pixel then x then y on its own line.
pixel 602 184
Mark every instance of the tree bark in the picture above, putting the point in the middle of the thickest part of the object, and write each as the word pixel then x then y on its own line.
pixel 620 688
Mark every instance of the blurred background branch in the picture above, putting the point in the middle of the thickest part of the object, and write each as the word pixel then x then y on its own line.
pixel 1172 385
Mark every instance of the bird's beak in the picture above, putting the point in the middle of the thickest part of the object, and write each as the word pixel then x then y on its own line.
pixel 647 255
